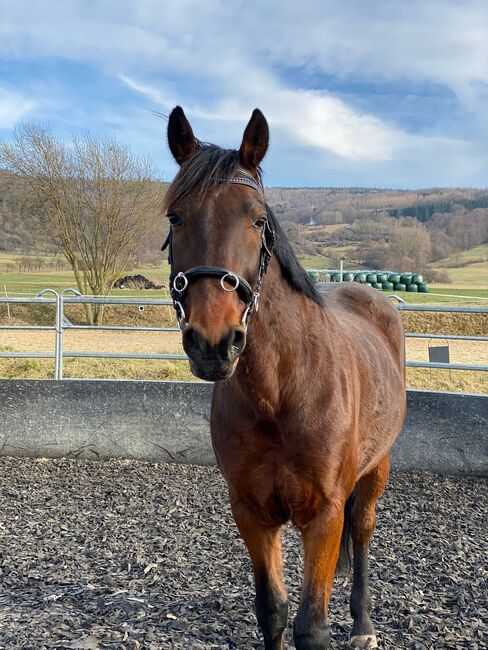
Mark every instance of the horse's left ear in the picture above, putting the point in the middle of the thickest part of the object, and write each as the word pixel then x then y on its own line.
pixel 255 141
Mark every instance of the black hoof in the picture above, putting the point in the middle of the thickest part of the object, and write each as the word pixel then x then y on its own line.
pixel 315 637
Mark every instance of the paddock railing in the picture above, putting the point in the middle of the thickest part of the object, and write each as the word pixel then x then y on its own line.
pixel 72 296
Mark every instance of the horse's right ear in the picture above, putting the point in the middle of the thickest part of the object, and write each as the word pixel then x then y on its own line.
pixel 181 140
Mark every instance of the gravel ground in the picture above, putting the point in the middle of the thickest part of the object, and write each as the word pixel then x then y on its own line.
pixel 133 555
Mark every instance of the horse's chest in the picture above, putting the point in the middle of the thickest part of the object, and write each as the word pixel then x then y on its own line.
pixel 277 491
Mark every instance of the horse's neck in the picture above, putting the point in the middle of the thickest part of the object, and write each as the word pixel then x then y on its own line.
pixel 278 331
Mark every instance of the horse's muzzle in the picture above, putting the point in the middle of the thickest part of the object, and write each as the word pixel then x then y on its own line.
pixel 213 362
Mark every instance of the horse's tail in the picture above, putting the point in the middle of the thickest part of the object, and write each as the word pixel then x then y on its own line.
pixel 344 562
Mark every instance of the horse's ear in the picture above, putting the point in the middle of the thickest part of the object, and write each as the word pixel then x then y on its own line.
pixel 181 140
pixel 255 141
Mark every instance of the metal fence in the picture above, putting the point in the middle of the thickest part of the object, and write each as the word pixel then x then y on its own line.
pixel 72 296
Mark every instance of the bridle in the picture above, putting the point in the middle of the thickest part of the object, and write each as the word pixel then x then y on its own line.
pixel 229 280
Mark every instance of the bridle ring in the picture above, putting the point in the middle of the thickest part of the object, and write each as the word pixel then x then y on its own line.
pixel 227 278
pixel 180 283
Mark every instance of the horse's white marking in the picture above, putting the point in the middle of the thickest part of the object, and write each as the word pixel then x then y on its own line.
pixel 364 641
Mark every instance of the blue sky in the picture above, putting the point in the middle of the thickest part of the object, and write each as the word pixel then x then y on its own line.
pixel 383 93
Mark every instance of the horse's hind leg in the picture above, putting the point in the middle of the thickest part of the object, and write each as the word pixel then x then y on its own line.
pixel 368 489
pixel 264 546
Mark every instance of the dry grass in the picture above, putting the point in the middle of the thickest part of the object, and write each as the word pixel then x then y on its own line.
pixel 468 352
pixel 168 342
pixel 130 315
pixel 90 341
pixel 458 324
pixel 450 381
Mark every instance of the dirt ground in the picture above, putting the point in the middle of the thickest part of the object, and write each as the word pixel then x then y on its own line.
pixel 123 555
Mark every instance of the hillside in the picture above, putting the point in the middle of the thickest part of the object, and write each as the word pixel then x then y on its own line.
pixel 321 206
pixel 421 230
pixel 467 268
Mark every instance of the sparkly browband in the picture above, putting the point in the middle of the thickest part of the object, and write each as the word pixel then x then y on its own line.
pixel 244 180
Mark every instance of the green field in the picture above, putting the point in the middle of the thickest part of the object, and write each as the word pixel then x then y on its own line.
pixel 471 254
pixel 468 268
pixel 315 261
pixel 470 283
pixel 29 283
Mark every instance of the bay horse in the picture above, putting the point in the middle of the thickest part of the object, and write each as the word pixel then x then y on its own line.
pixel 310 388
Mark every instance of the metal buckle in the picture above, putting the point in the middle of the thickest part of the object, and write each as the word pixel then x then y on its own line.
pixel 225 278
pixel 184 282
pixel 256 295
pixel 181 316
pixel 245 317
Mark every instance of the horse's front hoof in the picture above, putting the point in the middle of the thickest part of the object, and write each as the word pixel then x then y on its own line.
pixel 365 641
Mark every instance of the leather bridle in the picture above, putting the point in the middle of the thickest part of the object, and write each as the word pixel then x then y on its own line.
pixel 229 280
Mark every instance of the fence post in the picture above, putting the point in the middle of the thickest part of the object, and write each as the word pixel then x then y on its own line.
pixel 57 328
pixel 60 325
pixel 8 304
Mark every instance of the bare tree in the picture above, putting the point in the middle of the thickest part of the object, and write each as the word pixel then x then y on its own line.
pixel 95 196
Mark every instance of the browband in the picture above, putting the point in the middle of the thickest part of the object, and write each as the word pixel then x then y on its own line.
pixel 244 180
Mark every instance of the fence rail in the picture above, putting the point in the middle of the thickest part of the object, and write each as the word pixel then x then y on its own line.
pixel 58 300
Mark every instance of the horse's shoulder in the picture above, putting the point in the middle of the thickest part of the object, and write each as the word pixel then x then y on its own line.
pixel 350 300
pixel 355 296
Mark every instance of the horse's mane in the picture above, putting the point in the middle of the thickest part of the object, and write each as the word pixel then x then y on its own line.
pixel 291 268
pixel 210 166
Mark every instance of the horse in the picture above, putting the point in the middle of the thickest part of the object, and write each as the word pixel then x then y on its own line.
pixel 309 391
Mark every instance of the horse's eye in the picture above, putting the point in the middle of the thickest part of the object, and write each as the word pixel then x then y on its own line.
pixel 260 223
pixel 174 219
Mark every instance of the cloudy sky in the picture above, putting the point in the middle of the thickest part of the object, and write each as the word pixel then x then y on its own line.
pixel 384 93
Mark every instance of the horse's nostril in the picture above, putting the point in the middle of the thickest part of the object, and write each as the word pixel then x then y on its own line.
pixel 239 341
pixel 229 347
pixel 193 340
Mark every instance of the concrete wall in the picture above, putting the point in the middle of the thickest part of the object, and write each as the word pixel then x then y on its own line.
pixel 169 421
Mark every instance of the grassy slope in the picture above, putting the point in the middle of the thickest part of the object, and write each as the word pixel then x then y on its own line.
pixel 475 274
pixel 465 256
pixel 31 283
pixel 473 278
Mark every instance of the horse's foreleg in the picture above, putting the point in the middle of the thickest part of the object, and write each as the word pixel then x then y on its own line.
pixel 264 546
pixel 321 542
pixel 369 488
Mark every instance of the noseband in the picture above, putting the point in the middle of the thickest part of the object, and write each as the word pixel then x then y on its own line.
pixel 229 280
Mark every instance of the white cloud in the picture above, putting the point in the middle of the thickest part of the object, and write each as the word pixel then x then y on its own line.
pixel 155 95
pixel 314 119
pixel 221 58
pixel 13 107
pixel 441 41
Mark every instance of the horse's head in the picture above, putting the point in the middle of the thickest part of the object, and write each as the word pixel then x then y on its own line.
pixel 220 242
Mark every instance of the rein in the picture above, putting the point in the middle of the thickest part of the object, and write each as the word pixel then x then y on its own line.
pixel 229 280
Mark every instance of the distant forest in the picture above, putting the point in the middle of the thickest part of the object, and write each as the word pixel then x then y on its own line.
pixel 371 227
pixel 383 228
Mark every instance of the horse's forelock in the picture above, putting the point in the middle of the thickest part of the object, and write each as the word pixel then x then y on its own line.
pixel 207 167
